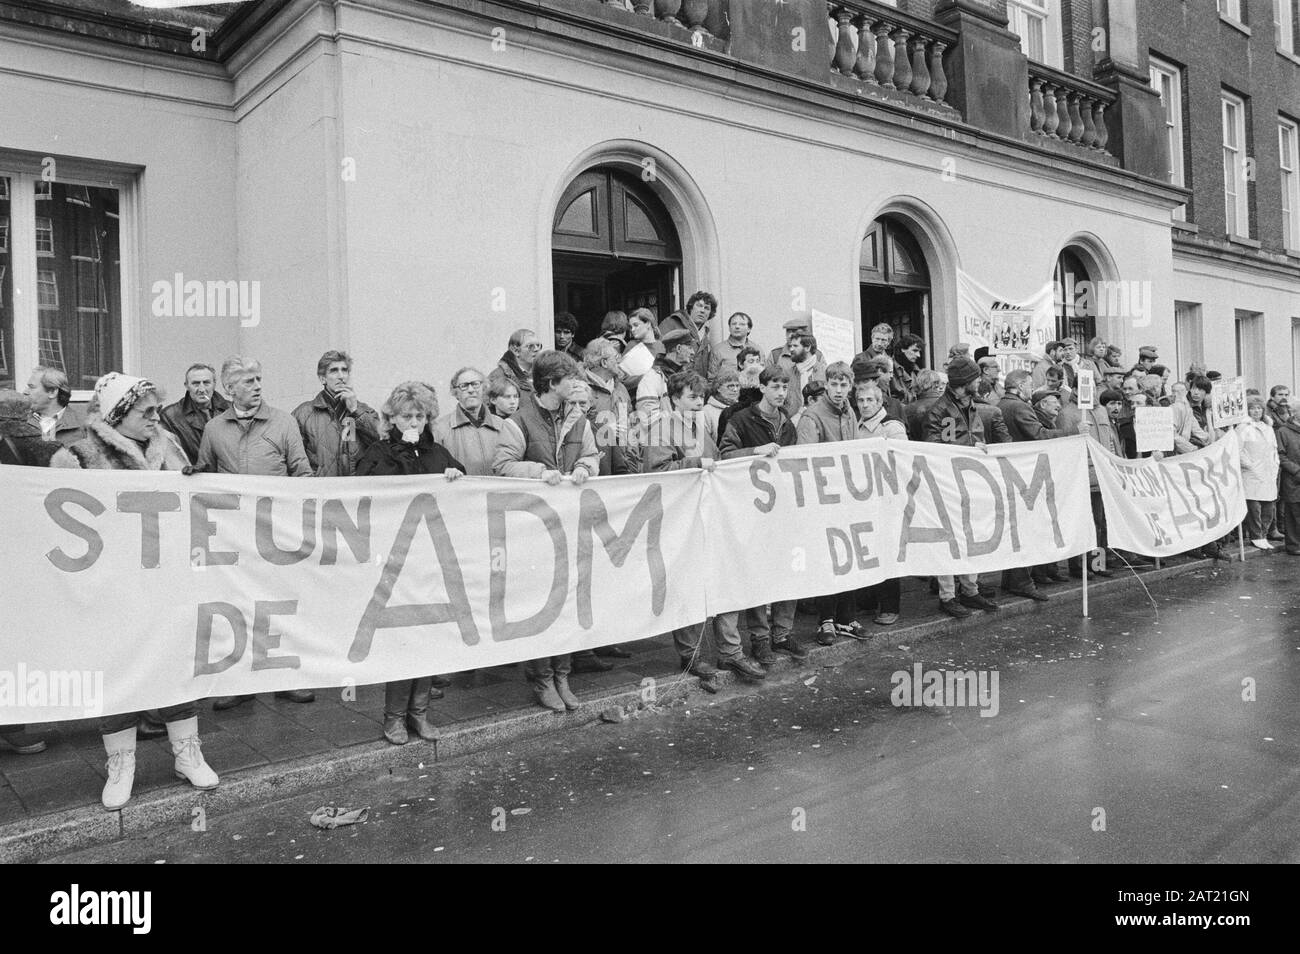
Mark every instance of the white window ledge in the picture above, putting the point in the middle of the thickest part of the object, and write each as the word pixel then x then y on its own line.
pixel 1235 24
pixel 1243 240
pixel 1183 225
pixel 1288 55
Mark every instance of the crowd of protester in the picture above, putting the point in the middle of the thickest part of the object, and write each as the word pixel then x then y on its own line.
pixel 645 396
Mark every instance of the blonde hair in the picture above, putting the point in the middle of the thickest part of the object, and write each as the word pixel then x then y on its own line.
pixel 410 394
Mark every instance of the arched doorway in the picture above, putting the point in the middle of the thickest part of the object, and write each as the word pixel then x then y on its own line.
pixel 894 283
pixel 1076 313
pixel 613 247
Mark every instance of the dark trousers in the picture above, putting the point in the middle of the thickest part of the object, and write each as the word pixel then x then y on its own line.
pixel 838 607
pixel 1017 578
pixel 1098 521
pixel 883 597
pixel 127 720
pixel 1291 527
pixel 406 695
pixel 1259 517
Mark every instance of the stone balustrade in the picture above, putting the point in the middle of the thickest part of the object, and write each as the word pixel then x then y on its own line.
pixel 885 48
pixel 1068 109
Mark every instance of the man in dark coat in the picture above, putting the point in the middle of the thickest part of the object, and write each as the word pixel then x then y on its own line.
pixel 201 403
pixel 953 419
pixel 1288 451
pixel 929 388
pixel 336 427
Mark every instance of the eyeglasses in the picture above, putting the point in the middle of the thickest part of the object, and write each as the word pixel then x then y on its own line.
pixel 533 346
pixel 467 386
pixel 151 414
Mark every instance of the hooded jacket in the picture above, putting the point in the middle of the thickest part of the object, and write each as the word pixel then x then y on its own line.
pixel 105 448
pixel 822 422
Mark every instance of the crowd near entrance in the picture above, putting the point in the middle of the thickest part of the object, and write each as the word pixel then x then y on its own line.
pixel 614 248
pixel 894 283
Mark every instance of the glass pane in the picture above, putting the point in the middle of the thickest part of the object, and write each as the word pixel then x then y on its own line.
pixel 638 226
pixel 78 282
pixel 6 293
pixel 580 216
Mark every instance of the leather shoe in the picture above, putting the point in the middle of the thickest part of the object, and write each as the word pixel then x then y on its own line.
pixel 24 743
pixel 979 602
pixel 420 726
pixel 613 652
pixel 439 682
pixel 147 727
pixel 954 608
pixel 297 695
pixel 763 654
pixel 548 698
pixel 590 662
pixel 745 667
pixel 1029 592
pixel 791 647
pixel 395 730
pixel 229 702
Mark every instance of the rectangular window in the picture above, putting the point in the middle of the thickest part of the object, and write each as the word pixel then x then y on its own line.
pixel 1284 25
pixel 70 235
pixel 1189 346
pixel 1288 152
pixel 1038 24
pixel 1235 198
pixel 1295 356
pixel 6 294
pixel 1167 80
pixel 47 289
pixel 1250 348
pixel 44 235
pixel 1231 8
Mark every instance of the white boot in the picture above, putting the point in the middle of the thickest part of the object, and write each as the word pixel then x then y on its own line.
pixel 120 747
pixel 184 736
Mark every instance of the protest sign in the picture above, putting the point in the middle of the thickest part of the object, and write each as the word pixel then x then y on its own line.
pixel 1228 403
pixel 1154 428
pixel 1011 328
pixel 834 337
pixel 1164 507
pixel 1087 389
pixel 814 521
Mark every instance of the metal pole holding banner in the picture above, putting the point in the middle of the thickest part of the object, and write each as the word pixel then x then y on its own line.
pixel 1086 557
pixel 1241 541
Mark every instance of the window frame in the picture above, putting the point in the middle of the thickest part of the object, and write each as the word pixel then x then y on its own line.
pixel 1237 214
pixel 1288 132
pixel 1159 68
pixel 1284 25
pixel 1230 9
pixel 1048 12
pixel 24 170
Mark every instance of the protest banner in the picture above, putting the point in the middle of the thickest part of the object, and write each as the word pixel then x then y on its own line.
pixel 1015 332
pixel 1087 389
pixel 1228 403
pixel 1154 428
pixel 148 589
pixel 814 521
pixel 1164 507
pixel 177 588
pixel 834 337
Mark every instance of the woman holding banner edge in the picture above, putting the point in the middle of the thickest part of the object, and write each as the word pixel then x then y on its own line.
pixel 123 433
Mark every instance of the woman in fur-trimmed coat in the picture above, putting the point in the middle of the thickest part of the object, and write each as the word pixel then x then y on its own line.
pixel 123 433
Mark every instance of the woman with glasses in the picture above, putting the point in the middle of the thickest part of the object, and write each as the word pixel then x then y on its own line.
pixel 123 433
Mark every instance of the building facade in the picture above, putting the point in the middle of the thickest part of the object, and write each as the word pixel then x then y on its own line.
pixel 412 181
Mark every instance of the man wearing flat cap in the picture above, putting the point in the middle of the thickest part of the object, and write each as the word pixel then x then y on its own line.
pixel 953 419
pixel 800 360
pixel 652 401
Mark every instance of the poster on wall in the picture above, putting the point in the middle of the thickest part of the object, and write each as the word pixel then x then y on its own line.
pixel 1015 332
pixel 834 337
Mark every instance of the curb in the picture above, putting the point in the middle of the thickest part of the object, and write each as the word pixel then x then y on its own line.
pixel 44 836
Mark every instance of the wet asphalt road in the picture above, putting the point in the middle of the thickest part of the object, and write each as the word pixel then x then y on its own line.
pixel 1139 718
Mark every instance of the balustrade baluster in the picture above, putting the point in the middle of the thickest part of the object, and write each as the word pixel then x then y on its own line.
pixel 938 78
pixel 920 74
pixel 866 65
pixel 1036 105
pixel 884 56
pixel 1051 118
pixel 902 65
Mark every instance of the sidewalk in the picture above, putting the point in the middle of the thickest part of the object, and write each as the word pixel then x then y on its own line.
pixel 267 747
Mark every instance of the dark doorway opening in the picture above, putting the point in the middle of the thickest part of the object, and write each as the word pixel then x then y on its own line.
pixel 895 284
pixel 614 247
